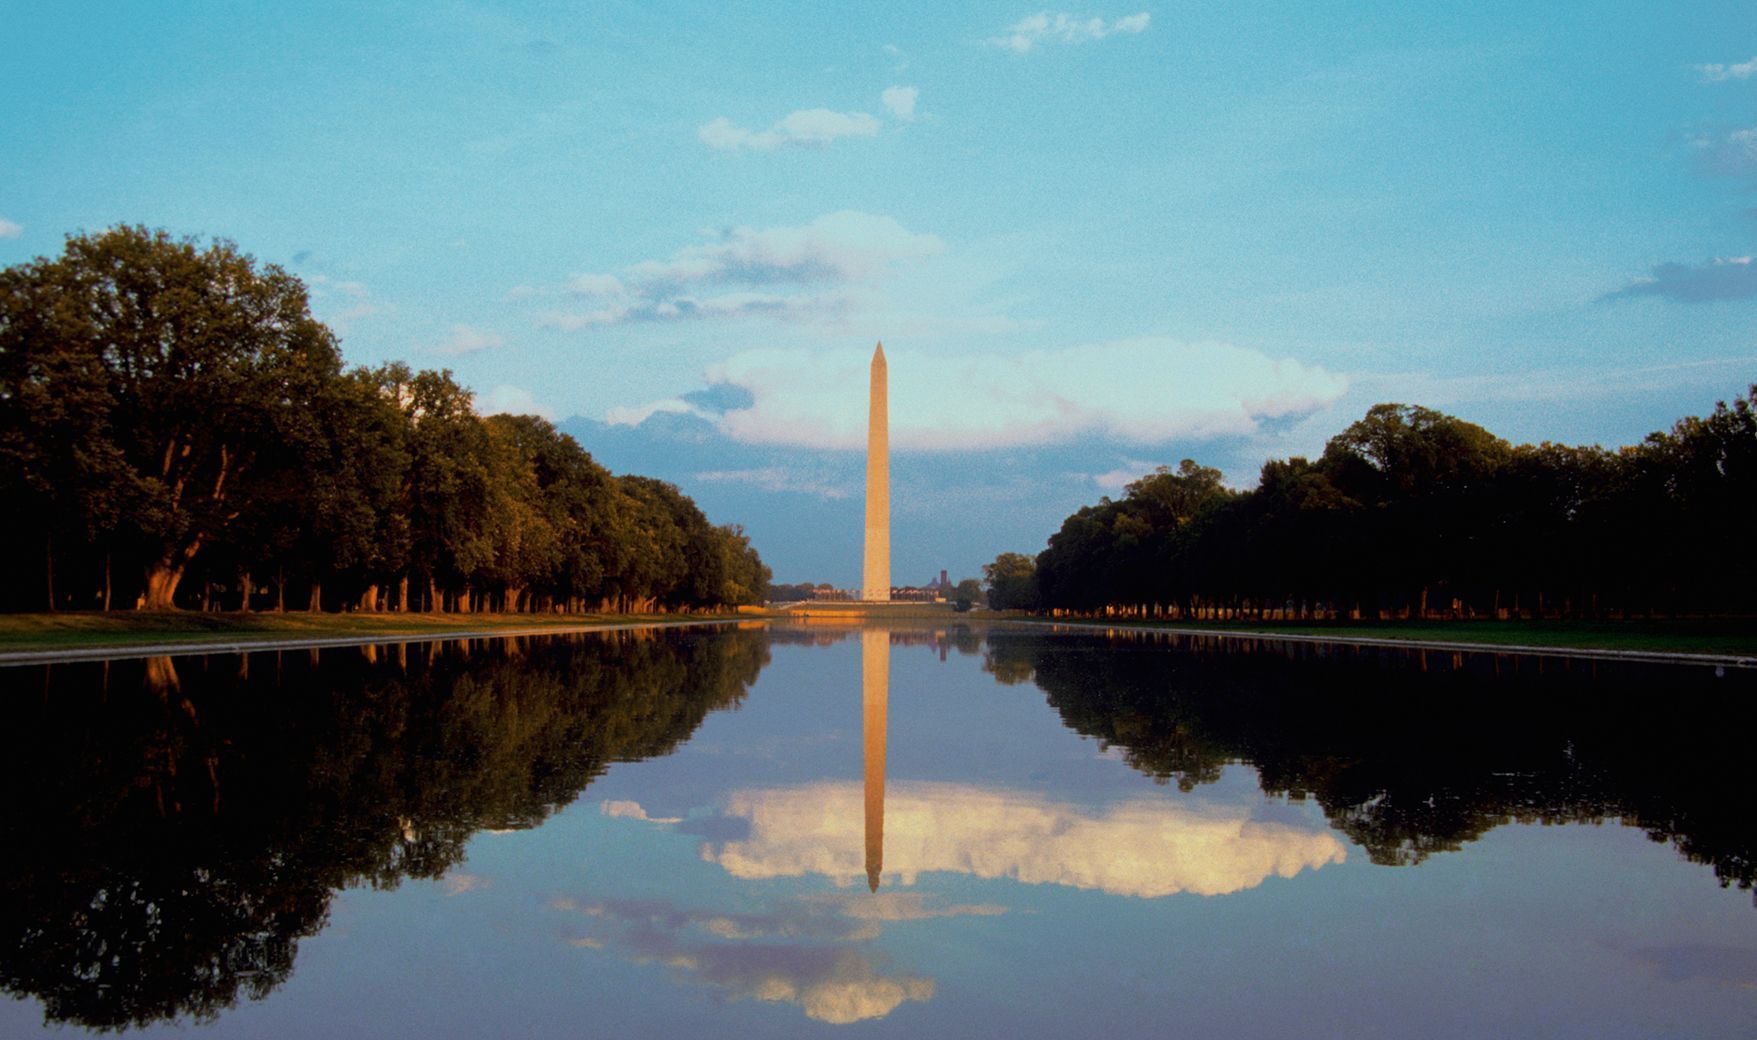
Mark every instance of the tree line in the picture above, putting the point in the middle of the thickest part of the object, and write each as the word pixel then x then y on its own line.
pixel 1410 512
pixel 177 430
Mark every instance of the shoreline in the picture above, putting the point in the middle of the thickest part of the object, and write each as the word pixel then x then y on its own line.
pixel 99 637
pixel 1719 659
pixel 295 641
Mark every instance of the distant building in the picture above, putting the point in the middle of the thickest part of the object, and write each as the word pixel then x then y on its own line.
pixel 911 594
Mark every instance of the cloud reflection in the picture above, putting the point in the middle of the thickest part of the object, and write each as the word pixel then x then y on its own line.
pixel 1144 848
pixel 789 957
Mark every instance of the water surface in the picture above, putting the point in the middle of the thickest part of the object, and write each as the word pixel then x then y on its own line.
pixel 809 830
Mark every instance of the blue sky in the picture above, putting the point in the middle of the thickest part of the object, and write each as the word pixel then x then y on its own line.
pixel 1094 239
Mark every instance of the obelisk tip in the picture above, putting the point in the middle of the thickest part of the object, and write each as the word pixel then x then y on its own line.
pixel 879 351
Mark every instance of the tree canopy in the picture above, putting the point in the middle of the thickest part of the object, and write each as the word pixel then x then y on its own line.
pixel 1413 513
pixel 176 430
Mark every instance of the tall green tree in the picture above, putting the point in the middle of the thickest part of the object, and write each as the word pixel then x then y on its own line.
pixel 59 456
pixel 1012 582
pixel 206 358
pixel 450 486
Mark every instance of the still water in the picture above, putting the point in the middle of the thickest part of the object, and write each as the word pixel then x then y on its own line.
pixel 807 831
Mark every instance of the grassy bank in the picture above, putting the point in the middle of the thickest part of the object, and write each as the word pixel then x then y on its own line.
pixel 70 631
pixel 1701 636
pixel 27 632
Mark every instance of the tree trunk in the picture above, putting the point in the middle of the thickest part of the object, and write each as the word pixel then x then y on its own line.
pixel 434 603
pixel 106 582
pixel 280 590
pixel 369 599
pixel 162 579
pixel 244 590
pixel 403 594
pixel 316 606
pixel 49 566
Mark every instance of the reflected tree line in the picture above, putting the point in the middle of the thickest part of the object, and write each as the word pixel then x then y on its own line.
pixel 182 824
pixel 1413 513
pixel 1413 752
pixel 176 430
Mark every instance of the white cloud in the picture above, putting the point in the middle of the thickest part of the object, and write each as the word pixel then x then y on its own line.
pixel 793 957
pixel 1143 391
pixel 1722 73
pixel 10 229
pixel 638 414
pixel 843 246
pixel 467 339
pixel 352 301
pixel 783 307
pixel 812 127
pixel 596 285
pixel 457 883
pixel 777 478
pixel 900 102
pixel 512 400
pixel 1026 34
pixel 1117 479
pixel 892 906
pixel 1146 848
pixel 324 285
pixel 627 810
pixel 834 250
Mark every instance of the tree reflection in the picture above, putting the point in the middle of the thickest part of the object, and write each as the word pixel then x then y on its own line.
pixel 177 827
pixel 1414 752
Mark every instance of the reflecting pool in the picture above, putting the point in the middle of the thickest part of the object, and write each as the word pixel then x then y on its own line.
pixel 808 829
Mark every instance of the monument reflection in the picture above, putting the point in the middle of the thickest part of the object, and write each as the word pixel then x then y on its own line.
pixel 1142 847
pixel 875 695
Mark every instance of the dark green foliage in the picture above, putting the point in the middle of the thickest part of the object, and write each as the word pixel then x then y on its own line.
pixel 1012 582
pixel 169 412
pixel 1412 513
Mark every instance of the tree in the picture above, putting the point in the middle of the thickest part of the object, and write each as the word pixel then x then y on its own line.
pixel 1012 582
pixel 967 594
pixel 747 577
pixel 58 456
pixel 450 485
pixel 192 364
pixel 176 408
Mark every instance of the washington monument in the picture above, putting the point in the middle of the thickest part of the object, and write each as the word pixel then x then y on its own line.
pixel 875 585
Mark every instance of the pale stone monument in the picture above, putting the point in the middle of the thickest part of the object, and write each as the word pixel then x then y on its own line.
pixel 875 585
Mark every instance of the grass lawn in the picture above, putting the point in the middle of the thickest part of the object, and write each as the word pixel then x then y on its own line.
pixel 79 630
pixel 133 628
pixel 1691 635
